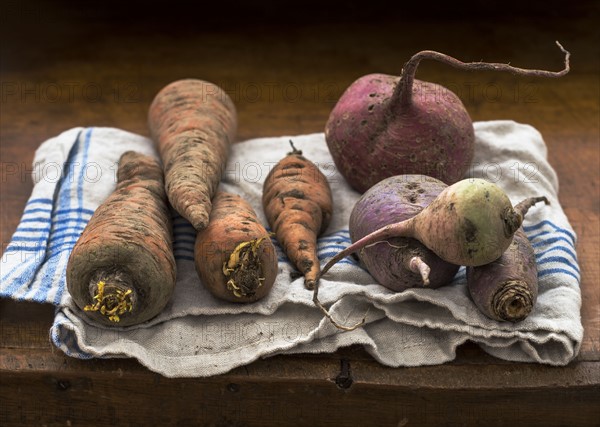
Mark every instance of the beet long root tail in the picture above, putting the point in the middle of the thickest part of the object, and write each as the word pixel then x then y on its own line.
pixel 328 315
pixel 400 229
pixel 404 90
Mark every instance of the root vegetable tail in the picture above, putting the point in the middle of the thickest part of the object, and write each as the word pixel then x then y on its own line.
pixel 243 269
pixel 112 302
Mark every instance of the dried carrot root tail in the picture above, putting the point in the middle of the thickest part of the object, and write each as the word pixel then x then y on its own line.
pixel 122 270
pixel 298 204
pixel 243 270
pixel 193 123
pixel 112 301
pixel 234 255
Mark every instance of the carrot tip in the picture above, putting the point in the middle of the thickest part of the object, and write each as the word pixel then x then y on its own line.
pixel 199 225
pixel 197 215
pixel 309 284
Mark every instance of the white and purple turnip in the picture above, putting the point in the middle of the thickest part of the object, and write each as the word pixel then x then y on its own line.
pixel 386 125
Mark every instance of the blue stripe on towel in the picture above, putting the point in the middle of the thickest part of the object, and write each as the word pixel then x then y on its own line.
pixel 37 219
pixel 37 210
pixel 62 208
pixel 325 255
pixel 39 200
pixel 552 240
pixel 62 213
pixel 20 280
pixel 16 248
pixel 56 236
pixel 185 237
pixel 24 272
pixel 558 271
pixel 565 249
pixel 183 249
pixel 559 259
pixel 64 338
pixel 528 229
pixel 80 212
pixel 544 233
pixel 549 240
pixel 31 230
pixel 28 239
pixel 182 224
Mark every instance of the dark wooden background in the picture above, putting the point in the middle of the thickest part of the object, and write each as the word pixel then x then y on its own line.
pixel 64 64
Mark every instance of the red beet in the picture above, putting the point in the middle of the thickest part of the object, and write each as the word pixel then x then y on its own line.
pixel 400 262
pixel 386 125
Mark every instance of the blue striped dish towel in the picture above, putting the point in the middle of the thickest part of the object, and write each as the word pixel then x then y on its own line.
pixel 198 336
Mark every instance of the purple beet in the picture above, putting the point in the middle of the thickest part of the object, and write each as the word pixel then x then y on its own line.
pixel 506 289
pixel 400 262
pixel 386 125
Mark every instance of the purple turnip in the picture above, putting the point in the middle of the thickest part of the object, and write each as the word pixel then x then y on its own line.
pixel 386 125
pixel 506 289
pixel 400 262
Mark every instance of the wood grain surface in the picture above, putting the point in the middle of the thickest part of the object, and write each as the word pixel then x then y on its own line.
pixel 64 66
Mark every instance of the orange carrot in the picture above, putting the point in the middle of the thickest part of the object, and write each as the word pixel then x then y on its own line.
pixel 122 269
pixel 298 205
pixel 234 255
pixel 193 122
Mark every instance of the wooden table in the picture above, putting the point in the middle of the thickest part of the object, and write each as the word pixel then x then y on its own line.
pixel 64 67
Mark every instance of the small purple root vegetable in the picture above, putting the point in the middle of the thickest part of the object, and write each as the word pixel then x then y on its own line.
pixel 470 223
pixel 399 263
pixel 385 125
pixel 506 289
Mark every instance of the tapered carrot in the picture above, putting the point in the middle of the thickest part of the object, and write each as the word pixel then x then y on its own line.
pixel 298 205
pixel 234 255
pixel 122 269
pixel 193 122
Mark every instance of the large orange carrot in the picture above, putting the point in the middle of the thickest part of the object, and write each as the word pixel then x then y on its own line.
pixel 193 122
pixel 234 255
pixel 122 270
pixel 297 203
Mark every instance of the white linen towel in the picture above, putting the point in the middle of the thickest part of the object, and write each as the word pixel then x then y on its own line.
pixel 198 336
